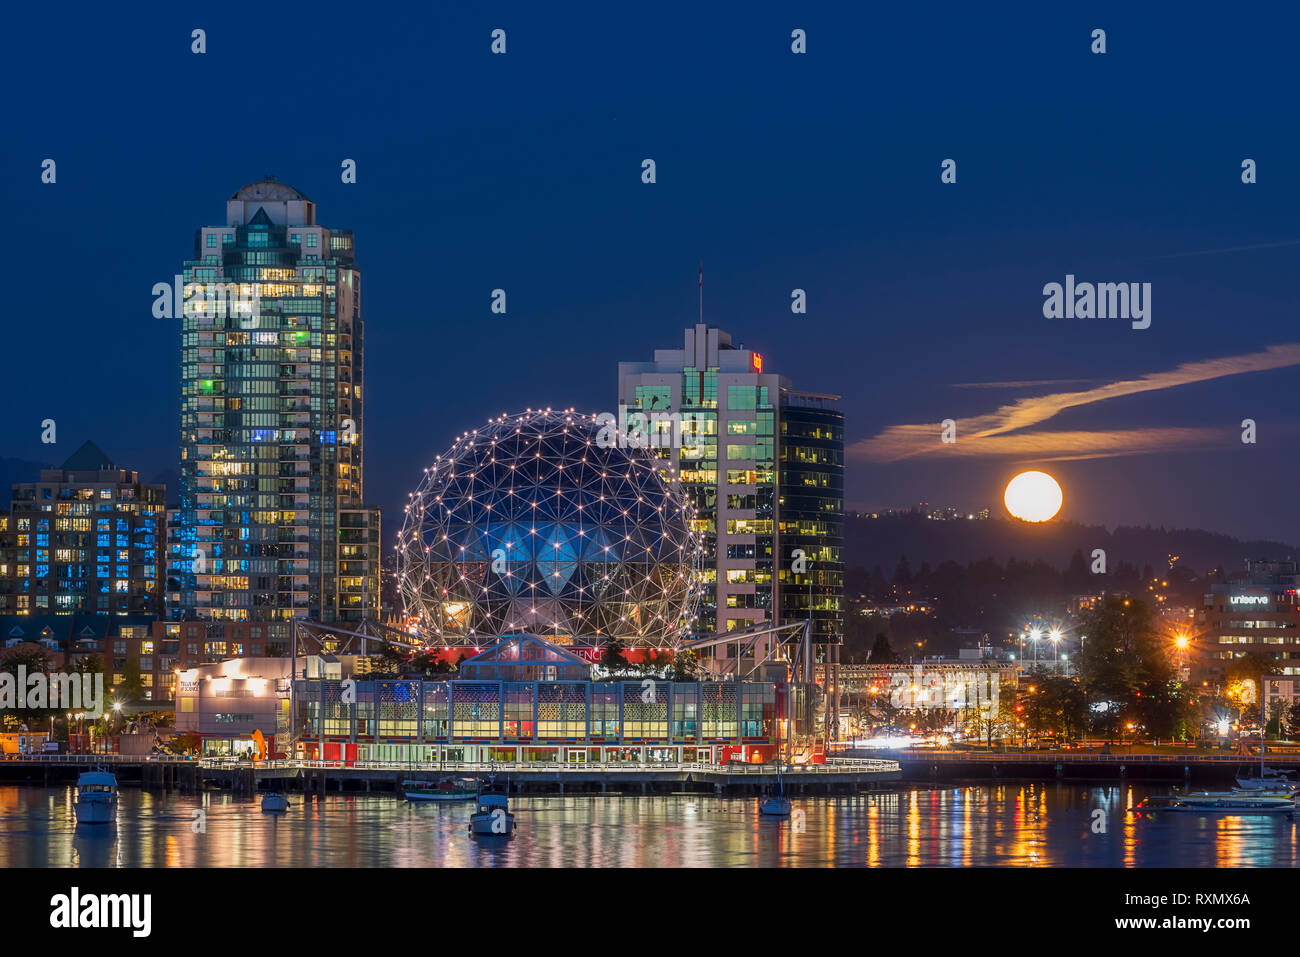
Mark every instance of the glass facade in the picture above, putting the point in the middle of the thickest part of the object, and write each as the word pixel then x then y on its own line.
pixel 87 539
pixel 812 515
pixel 271 523
pixel 763 466
pixel 537 712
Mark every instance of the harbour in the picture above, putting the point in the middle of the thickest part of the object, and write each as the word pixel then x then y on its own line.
pixel 974 825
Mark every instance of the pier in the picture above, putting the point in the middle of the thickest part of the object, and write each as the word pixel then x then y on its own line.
pixel 840 775
pixel 923 765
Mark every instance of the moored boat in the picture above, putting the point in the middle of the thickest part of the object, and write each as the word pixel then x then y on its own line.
pixel 492 818
pixel 96 797
pixel 274 802
pixel 776 806
pixel 1220 802
pixel 449 789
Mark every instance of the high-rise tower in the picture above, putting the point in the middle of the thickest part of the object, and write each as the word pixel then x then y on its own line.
pixel 271 523
pixel 763 466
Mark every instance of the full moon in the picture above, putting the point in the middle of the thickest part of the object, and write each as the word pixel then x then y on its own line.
pixel 1033 496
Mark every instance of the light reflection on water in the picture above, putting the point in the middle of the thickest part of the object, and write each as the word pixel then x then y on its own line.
pixel 982 825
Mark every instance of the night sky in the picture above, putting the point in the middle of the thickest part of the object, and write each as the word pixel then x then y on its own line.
pixel 780 171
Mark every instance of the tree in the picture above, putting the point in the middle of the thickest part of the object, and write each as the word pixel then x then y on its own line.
pixel 882 653
pixel 391 658
pixel 685 666
pixel 188 742
pixel 612 655
pixel 1252 667
pixel 34 659
pixel 1126 672
pixel 131 688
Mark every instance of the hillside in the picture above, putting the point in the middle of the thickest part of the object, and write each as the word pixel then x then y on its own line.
pixel 882 541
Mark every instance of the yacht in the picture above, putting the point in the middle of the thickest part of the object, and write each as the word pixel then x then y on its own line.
pixel 1270 779
pixel 96 797
pixel 1210 802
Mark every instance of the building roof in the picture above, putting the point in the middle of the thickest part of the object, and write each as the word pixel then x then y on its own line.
pixel 518 654
pixel 269 189
pixel 88 458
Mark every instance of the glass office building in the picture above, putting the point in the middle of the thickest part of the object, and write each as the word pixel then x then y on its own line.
pixel 271 522
pixel 811 510
pixel 720 421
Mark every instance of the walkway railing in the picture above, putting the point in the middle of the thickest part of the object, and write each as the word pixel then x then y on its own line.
pixel 107 758
pixel 832 766
pixel 1073 756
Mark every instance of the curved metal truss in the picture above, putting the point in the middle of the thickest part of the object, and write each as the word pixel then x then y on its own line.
pixel 529 525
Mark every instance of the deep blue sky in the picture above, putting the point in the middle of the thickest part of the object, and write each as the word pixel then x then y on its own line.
pixel 780 171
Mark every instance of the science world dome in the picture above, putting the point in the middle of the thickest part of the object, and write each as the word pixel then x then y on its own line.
pixel 529 525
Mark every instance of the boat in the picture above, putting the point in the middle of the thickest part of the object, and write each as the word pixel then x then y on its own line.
pixel 274 802
pixel 492 818
pixel 776 804
pixel 1270 779
pixel 96 797
pixel 449 789
pixel 1210 802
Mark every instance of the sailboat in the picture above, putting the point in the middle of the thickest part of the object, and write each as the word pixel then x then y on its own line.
pixel 1270 779
pixel 777 804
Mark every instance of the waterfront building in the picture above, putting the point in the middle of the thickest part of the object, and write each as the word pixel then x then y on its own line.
pixel 85 539
pixel 525 699
pixel 1258 612
pixel 762 464
pixel 271 522
pixel 227 704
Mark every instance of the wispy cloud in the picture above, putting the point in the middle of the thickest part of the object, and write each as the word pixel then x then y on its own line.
pixel 1004 432
pixel 1026 384
pixel 1230 249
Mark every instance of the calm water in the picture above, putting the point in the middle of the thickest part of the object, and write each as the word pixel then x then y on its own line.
pixel 1020 825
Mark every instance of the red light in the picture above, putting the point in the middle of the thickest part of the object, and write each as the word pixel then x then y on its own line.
pixel 758 362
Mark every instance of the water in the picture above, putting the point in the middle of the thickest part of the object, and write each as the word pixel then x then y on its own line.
pixel 1005 825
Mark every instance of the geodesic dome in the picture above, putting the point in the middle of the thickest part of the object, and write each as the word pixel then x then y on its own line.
pixel 529 526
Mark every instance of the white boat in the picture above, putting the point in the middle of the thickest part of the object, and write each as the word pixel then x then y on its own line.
pixel 96 798
pixel 274 802
pixel 1220 802
pixel 493 817
pixel 1270 779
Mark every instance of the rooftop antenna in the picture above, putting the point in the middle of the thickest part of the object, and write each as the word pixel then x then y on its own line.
pixel 701 292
